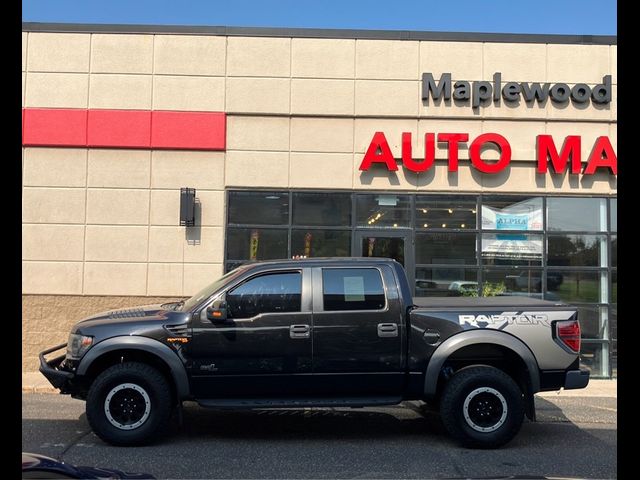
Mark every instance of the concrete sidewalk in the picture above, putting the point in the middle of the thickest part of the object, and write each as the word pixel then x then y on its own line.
pixel 34 382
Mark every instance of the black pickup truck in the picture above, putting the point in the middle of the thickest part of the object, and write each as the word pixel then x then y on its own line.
pixel 341 332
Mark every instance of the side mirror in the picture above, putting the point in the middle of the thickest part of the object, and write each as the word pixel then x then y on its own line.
pixel 217 312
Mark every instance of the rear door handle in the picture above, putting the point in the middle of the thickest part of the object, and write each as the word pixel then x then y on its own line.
pixel 387 330
pixel 299 331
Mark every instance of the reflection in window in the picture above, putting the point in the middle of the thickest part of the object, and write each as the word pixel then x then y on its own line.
pixel 593 357
pixel 446 211
pixel 446 282
pixel 352 289
pixel 511 249
pixel 511 213
pixel 574 250
pixel 260 208
pixel 614 250
pixel 256 243
pixel 380 246
pixel 445 247
pixel 517 282
pixel 383 210
pixel 579 214
pixel 272 293
pixel 320 243
pixel 613 208
pixel 614 286
pixel 592 321
pixel 326 209
pixel 613 335
pixel 575 286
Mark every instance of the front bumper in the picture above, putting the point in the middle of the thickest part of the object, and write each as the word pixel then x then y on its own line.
pixel 51 369
pixel 576 379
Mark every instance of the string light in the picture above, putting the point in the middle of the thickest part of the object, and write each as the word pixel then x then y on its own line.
pixel 444 225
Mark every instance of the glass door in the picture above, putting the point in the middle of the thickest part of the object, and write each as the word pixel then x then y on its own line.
pixel 386 244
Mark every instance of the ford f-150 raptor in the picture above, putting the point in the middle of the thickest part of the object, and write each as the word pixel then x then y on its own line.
pixel 339 332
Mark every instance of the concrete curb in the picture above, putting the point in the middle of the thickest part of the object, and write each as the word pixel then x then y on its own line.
pixel 35 382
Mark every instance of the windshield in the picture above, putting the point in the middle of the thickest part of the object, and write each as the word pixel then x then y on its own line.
pixel 209 289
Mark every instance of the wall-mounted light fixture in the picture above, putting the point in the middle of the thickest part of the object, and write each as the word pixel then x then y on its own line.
pixel 187 207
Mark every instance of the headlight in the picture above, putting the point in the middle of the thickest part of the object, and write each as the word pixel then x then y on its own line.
pixel 77 345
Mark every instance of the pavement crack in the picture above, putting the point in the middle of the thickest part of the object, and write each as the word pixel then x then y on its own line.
pixel 73 443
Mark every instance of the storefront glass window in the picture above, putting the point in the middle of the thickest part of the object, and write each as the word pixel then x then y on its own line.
pixel 449 281
pixel 383 210
pixel 511 249
pixel 516 281
pixel 594 357
pixel 575 250
pixel 614 250
pixel 574 286
pixel 446 248
pixel 613 335
pixel 614 286
pixel 446 211
pixel 555 248
pixel 320 243
pixel 592 321
pixel 576 214
pixel 259 208
pixel 613 206
pixel 511 213
pixel 256 243
pixel 325 209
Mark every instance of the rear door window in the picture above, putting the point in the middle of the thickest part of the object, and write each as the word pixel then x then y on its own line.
pixel 352 289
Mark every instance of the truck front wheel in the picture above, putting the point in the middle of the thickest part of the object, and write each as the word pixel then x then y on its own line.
pixel 482 407
pixel 129 404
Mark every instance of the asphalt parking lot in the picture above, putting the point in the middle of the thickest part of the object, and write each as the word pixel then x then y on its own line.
pixel 574 437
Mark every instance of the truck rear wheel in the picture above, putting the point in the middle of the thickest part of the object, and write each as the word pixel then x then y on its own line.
pixel 129 404
pixel 482 407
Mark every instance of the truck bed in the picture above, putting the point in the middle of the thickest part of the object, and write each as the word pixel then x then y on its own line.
pixel 515 301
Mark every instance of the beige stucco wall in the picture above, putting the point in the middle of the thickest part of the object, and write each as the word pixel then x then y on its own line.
pixel 301 113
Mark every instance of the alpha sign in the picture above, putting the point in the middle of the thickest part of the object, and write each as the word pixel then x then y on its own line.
pixel 483 92
pixel 548 157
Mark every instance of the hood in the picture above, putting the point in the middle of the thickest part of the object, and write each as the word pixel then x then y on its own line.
pixel 138 313
pixel 128 321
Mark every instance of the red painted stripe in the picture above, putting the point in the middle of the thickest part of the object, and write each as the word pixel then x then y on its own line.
pixel 54 127
pixel 124 129
pixel 119 128
pixel 188 130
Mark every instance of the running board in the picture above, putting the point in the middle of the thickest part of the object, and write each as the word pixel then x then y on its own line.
pixel 297 402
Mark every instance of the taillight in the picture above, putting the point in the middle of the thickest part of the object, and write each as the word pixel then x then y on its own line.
pixel 568 332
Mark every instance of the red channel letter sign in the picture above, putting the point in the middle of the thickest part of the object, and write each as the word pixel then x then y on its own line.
pixel 548 159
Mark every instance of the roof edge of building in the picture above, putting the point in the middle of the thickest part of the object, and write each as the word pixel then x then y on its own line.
pixel 361 34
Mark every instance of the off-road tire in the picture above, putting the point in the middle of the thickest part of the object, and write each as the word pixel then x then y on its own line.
pixel 134 382
pixel 487 387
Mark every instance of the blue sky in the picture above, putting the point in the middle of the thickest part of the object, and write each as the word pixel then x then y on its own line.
pixel 591 17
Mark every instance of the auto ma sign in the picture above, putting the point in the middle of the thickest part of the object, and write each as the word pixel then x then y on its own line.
pixel 479 94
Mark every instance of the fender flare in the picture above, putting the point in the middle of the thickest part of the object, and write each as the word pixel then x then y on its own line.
pixel 145 344
pixel 471 337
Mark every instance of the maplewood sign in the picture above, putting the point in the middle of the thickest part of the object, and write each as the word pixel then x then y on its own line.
pixel 548 157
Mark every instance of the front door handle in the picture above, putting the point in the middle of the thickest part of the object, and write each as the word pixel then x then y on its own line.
pixel 299 331
pixel 387 330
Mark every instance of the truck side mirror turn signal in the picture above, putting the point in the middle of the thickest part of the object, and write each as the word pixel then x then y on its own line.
pixel 217 313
